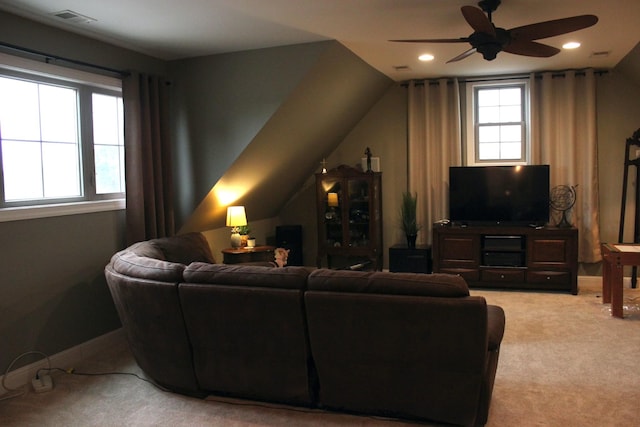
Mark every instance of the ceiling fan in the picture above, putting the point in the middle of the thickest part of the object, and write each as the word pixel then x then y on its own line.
pixel 488 39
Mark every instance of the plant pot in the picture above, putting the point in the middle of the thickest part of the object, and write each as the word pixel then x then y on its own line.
pixel 411 241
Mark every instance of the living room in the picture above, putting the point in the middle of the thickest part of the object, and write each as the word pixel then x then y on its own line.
pixel 53 294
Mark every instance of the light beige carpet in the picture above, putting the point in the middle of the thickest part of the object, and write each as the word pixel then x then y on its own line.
pixel 564 362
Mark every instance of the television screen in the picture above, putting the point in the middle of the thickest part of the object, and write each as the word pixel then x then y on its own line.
pixel 499 195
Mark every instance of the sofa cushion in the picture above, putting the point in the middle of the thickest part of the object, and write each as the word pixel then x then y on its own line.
pixel 184 248
pixel 146 249
pixel 131 264
pixel 247 275
pixel 432 285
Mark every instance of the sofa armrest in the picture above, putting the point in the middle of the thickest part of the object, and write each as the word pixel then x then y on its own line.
pixel 495 326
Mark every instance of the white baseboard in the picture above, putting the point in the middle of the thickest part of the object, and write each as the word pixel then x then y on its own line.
pixel 67 358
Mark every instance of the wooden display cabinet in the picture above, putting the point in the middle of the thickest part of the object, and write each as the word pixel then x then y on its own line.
pixel 349 210
pixel 509 257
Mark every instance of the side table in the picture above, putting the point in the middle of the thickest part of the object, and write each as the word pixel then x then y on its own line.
pixel 410 260
pixel 615 256
pixel 256 254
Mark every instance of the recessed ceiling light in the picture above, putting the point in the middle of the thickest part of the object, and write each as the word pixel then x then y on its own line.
pixel 571 45
pixel 426 57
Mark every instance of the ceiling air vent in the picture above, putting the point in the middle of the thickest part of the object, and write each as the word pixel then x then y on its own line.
pixel 73 17
pixel 601 54
pixel 402 68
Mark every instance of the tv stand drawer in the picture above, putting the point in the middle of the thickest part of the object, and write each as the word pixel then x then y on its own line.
pixel 550 277
pixel 502 275
pixel 468 274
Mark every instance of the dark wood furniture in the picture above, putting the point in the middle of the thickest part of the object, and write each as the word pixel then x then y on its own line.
pixel 633 143
pixel 509 257
pixel 256 254
pixel 410 260
pixel 349 210
pixel 615 257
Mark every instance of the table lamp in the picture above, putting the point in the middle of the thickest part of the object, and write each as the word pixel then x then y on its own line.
pixel 236 217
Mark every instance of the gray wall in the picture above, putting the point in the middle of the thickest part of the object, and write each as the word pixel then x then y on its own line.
pixel 220 103
pixel 251 125
pixel 53 294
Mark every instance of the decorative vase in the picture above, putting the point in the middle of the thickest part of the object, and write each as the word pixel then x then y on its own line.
pixel 411 241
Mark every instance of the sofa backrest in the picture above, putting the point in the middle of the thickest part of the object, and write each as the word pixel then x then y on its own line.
pixel 247 328
pixel 263 276
pixel 397 344
pixel 434 285
pixel 184 248
pixel 162 259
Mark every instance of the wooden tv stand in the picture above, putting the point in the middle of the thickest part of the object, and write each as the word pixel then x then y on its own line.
pixel 508 256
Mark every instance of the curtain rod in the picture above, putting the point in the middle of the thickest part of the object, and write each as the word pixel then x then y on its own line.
pixel 48 58
pixel 537 74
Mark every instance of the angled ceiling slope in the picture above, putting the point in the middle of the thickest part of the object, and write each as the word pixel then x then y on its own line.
pixel 327 103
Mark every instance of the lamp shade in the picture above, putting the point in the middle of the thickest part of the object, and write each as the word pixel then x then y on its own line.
pixel 236 216
pixel 332 199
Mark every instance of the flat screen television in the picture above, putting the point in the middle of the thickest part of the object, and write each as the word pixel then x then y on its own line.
pixel 499 195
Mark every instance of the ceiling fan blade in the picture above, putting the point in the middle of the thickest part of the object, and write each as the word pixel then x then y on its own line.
pixel 478 20
pixel 463 55
pixel 460 40
pixel 545 29
pixel 530 48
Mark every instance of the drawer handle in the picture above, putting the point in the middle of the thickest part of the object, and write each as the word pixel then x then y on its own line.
pixel 502 276
pixel 548 277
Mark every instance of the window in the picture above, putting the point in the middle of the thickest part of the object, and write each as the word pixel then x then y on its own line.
pixel 497 117
pixel 61 137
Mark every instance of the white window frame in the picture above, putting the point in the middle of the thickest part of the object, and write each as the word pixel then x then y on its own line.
pixel 471 143
pixel 9 65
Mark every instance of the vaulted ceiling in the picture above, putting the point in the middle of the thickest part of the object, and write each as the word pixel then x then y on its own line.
pixel 168 29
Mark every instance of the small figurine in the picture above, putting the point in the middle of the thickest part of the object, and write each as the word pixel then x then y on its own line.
pixel 367 152
pixel 281 256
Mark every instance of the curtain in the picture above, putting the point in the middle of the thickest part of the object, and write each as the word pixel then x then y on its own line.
pixel 148 168
pixel 563 135
pixel 434 144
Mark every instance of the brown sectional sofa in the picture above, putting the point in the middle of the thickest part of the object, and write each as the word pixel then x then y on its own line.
pixel 394 344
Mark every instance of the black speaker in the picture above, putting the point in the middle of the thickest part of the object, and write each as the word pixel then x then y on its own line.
pixel 290 237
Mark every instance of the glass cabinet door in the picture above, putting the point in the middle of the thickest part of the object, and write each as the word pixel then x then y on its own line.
pixel 358 211
pixel 333 213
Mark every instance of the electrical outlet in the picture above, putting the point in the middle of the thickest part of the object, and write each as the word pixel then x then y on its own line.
pixel 42 384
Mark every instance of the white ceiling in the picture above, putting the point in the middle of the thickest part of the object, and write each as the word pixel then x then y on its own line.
pixel 170 29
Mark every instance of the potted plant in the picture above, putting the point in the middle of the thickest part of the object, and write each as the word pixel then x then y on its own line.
pixel 244 231
pixel 408 217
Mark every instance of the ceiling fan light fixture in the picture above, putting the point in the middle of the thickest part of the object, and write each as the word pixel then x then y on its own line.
pixel 425 57
pixel 488 39
pixel 571 45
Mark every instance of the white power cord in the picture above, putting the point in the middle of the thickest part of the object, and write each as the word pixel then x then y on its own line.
pixel 21 390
